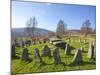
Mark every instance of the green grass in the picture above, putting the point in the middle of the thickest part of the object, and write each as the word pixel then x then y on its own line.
pixel 19 66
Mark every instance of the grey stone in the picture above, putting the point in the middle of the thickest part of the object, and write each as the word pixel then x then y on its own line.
pixel 23 43
pixel 28 42
pixel 33 42
pixel 57 59
pixel 94 43
pixel 78 57
pixel 37 56
pixel 40 42
pixel 79 40
pixel 46 51
pixel 84 40
pixel 13 50
pixel 67 49
pixel 91 51
pixel 82 49
pixel 60 44
pixel 17 44
pixel 25 55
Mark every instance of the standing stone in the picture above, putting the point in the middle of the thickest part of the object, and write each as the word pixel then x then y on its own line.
pixel 13 51
pixel 91 51
pixel 56 55
pixel 23 43
pixel 40 42
pixel 84 40
pixel 37 56
pixel 17 44
pixel 20 43
pixel 33 42
pixel 44 41
pixel 28 42
pixel 25 55
pixel 79 40
pixel 67 49
pixel 94 43
pixel 46 51
pixel 78 57
pixel 82 49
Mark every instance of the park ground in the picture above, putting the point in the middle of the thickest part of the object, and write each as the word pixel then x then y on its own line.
pixel 20 67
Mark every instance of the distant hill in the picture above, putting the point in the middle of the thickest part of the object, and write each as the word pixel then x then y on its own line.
pixel 73 30
pixel 20 32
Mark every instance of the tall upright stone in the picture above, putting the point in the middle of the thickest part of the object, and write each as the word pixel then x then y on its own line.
pixel 37 56
pixel 28 42
pixel 91 51
pixel 25 55
pixel 57 59
pixel 94 43
pixel 40 42
pixel 77 60
pixel 82 49
pixel 67 49
pixel 13 50
pixel 79 40
pixel 84 40
pixel 23 44
pixel 17 44
pixel 46 51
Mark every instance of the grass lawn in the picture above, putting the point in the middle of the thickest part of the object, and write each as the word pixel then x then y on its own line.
pixel 19 66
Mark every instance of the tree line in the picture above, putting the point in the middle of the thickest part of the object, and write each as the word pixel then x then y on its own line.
pixel 61 29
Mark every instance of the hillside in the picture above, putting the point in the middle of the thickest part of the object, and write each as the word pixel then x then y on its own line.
pixel 20 32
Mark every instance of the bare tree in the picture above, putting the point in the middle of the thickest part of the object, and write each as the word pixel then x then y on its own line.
pixel 31 26
pixel 61 28
pixel 86 29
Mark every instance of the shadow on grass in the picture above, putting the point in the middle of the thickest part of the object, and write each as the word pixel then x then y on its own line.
pixel 56 64
pixel 15 57
pixel 84 51
pixel 86 43
pixel 64 64
pixel 82 64
pixel 71 47
pixel 71 54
